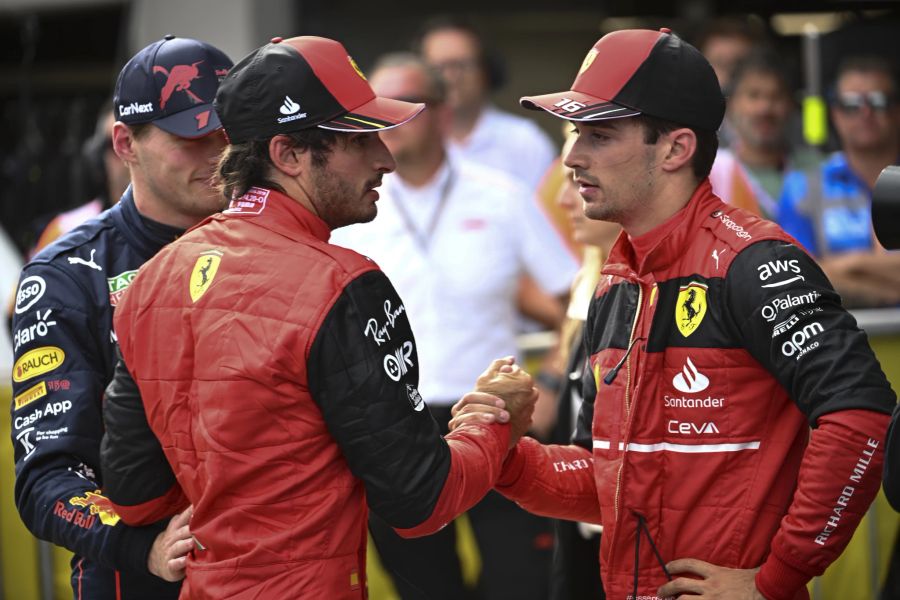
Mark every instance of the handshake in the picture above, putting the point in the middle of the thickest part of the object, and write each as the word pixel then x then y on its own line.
pixel 504 393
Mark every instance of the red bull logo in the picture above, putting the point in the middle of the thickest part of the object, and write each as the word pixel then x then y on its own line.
pixel 99 505
pixel 179 80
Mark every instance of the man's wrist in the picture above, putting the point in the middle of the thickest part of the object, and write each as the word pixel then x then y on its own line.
pixel 135 544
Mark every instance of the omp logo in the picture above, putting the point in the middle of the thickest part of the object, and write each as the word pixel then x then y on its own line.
pixel 688 428
pixel 99 505
pixel 135 108
pixel 796 346
pixel 33 393
pixel 397 365
pixel 37 362
pixel 785 325
pixel 777 267
pixel 289 107
pixel 690 380
pixel 30 291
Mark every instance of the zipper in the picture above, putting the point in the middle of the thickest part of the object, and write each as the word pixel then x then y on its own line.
pixel 631 340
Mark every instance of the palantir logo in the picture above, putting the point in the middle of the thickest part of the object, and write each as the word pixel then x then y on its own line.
pixel 690 380
pixel 289 107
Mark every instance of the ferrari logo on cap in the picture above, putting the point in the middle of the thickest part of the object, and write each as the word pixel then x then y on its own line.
pixel 690 308
pixel 204 272
pixel 588 60
pixel 356 68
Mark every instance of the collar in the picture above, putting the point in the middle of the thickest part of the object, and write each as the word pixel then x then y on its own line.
pixel 663 245
pixel 146 235
pixel 279 213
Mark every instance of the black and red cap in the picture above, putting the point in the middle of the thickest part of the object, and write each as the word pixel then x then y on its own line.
pixel 638 71
pixel 172 83
pixel 303 82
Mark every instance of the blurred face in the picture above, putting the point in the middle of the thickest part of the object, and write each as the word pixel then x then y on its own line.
pixel 865 111
pixel 423 134
pixel 457 56
pixel 179 173
pixel 614 169
pixel 724 52
pixel 343 189
pixel 759 108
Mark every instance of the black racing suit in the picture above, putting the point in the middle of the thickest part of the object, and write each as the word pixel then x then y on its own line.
pixel 64 349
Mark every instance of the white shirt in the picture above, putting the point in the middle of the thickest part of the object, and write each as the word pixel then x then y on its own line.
pixel 459 283
pixel 510 143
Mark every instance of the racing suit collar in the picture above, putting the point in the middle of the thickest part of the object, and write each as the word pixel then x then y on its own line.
pixel 144 235
pixel 279 213
pixel 661 246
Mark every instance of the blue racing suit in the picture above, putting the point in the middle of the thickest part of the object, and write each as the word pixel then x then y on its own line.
pixel 64 348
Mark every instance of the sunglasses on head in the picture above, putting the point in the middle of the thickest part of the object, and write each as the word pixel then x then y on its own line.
pixel 852 102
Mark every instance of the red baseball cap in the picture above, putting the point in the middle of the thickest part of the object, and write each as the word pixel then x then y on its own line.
pixel 303 82
pixel 639 71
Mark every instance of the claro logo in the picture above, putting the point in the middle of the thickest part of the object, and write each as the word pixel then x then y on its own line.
pixel 37 362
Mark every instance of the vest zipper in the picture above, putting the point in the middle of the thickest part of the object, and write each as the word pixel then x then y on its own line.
pixel 631 340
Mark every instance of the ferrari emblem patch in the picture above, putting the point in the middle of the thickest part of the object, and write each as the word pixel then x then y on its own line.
pixel 690 308
pixel 356 67
pixel 204 272
pixel 588 60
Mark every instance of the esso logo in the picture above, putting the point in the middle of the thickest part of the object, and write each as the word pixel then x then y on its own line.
pixel 30 291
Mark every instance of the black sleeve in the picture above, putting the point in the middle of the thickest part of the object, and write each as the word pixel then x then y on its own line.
pixel 59 340
pixel 892 462
pixel 363 374
pixel 135 469
pixel 790 319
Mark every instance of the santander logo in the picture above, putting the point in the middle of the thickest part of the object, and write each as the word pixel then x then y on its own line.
pixel 690 380
pixel 289 107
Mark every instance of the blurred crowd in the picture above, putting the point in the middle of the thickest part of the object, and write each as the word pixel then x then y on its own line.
pixel 521 246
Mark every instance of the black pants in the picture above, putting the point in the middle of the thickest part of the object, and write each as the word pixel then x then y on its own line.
pixel 515 547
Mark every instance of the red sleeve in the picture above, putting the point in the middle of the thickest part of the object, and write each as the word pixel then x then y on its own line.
pixel 476 457
pixel 553 481
pixel 173 502
pixel 839 477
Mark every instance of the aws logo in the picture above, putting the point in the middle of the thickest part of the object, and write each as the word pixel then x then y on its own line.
pixel 37 362
pixel 204 272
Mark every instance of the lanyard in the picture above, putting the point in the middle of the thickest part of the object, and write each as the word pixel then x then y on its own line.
pixel 423 238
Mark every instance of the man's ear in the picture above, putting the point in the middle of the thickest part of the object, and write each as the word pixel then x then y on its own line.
pixel 123 142
pixel 286 157
pixel 682 145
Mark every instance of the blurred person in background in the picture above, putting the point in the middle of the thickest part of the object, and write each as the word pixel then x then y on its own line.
pixel 454 237
pixel 478 130
pixel 750 174
pixel 169 137
pixel 828 209
pixel 107 176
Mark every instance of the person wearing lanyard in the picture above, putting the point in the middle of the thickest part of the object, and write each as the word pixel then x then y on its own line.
pixel 454 237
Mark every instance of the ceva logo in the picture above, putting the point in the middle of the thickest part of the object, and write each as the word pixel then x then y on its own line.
pixel 690 380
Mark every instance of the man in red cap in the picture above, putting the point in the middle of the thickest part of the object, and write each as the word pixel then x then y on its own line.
pixel 714 344
pixel 279 372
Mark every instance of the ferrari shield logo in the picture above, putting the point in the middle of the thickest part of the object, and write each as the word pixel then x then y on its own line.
pixel 588 60
pixel 690 308
pixel 204 272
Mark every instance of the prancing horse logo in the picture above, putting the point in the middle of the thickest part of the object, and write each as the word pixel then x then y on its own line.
pixel 690 308
pixel 203 273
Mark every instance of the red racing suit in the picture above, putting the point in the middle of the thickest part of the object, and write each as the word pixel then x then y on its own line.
pixel 715 343
pixel 279 374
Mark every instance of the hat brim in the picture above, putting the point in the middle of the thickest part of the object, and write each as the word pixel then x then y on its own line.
pixel 377 114
pixel 577 106
pixel 195 122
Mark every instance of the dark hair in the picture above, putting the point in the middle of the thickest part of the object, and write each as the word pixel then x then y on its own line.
pixel 491 61
pixel 707 142
pixel 763 61
pixel 866 64
pixel 247 164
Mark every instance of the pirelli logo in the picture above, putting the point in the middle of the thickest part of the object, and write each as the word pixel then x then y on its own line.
pixel 30 395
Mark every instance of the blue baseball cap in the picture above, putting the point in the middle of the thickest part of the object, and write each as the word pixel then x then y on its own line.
pixel 172 83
